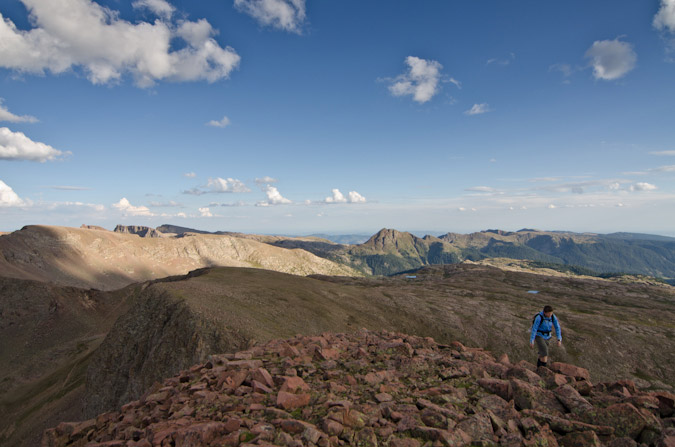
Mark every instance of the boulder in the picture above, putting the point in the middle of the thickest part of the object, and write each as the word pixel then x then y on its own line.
pixel 572 400
pixel 571 371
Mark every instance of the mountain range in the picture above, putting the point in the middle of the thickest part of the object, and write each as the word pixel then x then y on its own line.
pixel 91 319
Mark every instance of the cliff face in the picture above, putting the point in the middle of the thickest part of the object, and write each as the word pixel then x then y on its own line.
pixel 139 231
pixel 379 388
pixel 159 335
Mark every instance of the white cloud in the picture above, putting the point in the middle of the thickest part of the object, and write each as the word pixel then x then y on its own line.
pixel 8 197
pixel 6 115
pixel 70 34
pixel 485 189
pixel 169 204
pixel 190 175
pixel 665 17
pixel 161 8
pixel 503 62
pixel 355 197
pixel 274 197
pixel 265 180
pixel 420 81
pixel 220 123
pixel 205 212
pixel 478 109
pixel 552 206
pixel 130 210
pixel 663 153
pixel 669 168
pixel 642 186
pixel 287 15
pixel 338 197
pixel 611 59
pixel 219 185
pixel 17 146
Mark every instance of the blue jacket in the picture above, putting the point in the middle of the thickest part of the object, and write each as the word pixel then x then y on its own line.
pixel 542 327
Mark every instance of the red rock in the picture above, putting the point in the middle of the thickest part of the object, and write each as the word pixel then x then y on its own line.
pixel 331 427
pixel 571 370
pixel 199 434
pixel 293 384
pixel 625 418
pixel 260 388
pixel 504 359
pixel 668 441
pixel 581 439
pixel 525 375
pixel 263 376
pixel 528 396
pixel 501 388
pixel 289 401
pixel 404 442
pixel 354 419
pixel 383 397
pixel 666 403
pixel 571 399
pixel 478 427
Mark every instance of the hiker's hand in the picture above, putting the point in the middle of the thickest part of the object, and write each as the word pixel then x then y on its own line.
pixel 559 342
pixel 531 345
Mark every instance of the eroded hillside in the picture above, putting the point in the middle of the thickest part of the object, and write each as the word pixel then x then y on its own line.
pixel 107 260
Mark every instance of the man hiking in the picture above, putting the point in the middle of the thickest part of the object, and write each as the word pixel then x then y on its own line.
pixel 542 326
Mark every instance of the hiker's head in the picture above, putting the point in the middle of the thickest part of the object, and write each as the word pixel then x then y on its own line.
pixel 548 311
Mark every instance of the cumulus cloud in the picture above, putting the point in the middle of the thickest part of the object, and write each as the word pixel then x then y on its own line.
pixel 274 197
pixel 287 15
pixel 478 109
pixel 338 197
pixel 160 8
pixel 421 81
pixel 17 146
pixel 665 17
pixel 130 210
pixel 611 59
pixel 224 122
pixel 70 34
pixel 219 185
pixel 642 186
pixel 205 212
pixel 6 115
pixel 8 197
pixel 265 180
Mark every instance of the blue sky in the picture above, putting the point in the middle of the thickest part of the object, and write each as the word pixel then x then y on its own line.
pixel 300 116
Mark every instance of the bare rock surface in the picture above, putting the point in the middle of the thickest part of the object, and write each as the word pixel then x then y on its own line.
pixel 106 260
pixel 367 389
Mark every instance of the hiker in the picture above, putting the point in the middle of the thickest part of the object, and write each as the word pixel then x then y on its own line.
pixel 542 326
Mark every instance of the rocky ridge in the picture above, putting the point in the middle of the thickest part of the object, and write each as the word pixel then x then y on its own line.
pixel 378 388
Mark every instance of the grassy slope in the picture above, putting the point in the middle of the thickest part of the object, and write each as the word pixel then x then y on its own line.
pixel 616 330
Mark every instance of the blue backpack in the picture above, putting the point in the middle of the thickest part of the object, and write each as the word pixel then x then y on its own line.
pixel 553 318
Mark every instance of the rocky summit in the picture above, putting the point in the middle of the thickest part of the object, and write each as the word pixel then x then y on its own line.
pixel 379 388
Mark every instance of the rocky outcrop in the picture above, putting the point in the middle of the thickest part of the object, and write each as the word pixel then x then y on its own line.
pixel 371 389
pixel 139 231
